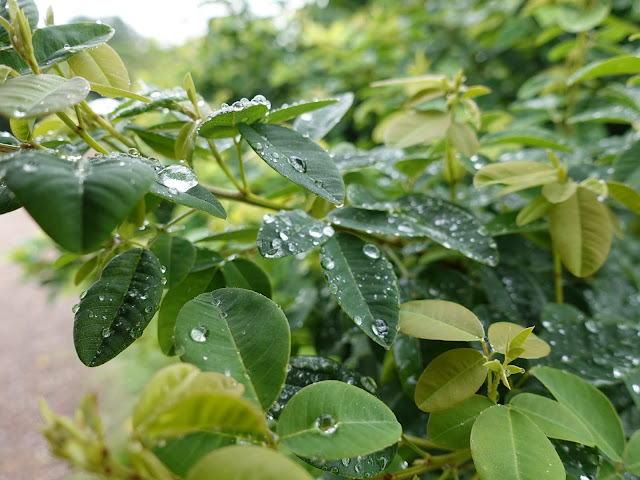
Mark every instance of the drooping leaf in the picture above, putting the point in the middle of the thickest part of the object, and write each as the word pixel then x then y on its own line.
pixel 36 95
pixel 590 405
pixel 30 10
pixel 449 379
pixel 501 333
pixel 290 232
pixel 366 466
pixel 101 65
pixel 439 320
pixel 224 121
pixel 78 203
pixel 318 123
pixel 581 231
pixel 451 428
pixel 333 420
pixel 631 455
pixel 287 112
pixel 553 418
pixel 416 127
pixel 193 285
pixel 243 273
pixel 364 284
pixel 247 461
pixel 530 137
pixel 297 158
pixel 620 65
pixel 58 43
pixel 624 194
pixel 506 444
pixel 117 308
pixel 177 255
pixel 238 332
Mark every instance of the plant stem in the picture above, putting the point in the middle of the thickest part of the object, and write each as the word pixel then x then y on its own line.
pixel 249 198
pixel 421 442
pixel 216 154
pixel 82 133
pixel 557 276
pixel 414 447
pixel 106 125
pixel 170 223
pixel 241 166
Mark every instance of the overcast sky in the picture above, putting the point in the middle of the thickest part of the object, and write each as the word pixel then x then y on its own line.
pixel 153 18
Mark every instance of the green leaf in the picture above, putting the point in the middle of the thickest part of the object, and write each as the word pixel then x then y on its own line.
pixel 626 166
pixel 36 95
pixel 439 320
pixel 625 194
pixel 333 420
pixel 21 128
pixel 243 273
pixel 318 123
pixel 30 10
pixel 112 92
pixel 558 192
pixel 78 203
pixel 247 462
pixel 58 43
pixel 421 216
pixel 117 308
pixel 612 114
pixel 177 255
pixel 501 334
pixel 631 455
pixel 505 444
pixel 449 379
pixel 287 112
pixel 407 355
pixel 451 428
pixel 581 232
pixel 243 235
pixel 185 141
pixel 101 65
pixel 179 184
pixel 159 99
pixel 182 453
pixel 507 223
pixel 553 418
pixel 597 186
pixel 366 466
pixel 530 136
pixel 416 127
pixel 238 332
pixel 297 158
pixel 193 285
pixel 290 232
pixel 620 65
pixel 463 138
pixel 576 19
pixel 8 201
pixel 364 284
pixel 224 122
pixel 517 173
pixel 589 404
pixel 476 91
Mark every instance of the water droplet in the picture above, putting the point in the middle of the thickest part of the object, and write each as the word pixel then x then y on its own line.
pixel 258 146
pixel 357 320
pixel 101 297
pixel 326 424
pixel 636 388
pixel 379 328
pixel 382 462
pixel 178 177
pixel 346 461
pixel 134 152
pixel 315 231
pixel 106 332
pixel 371 251
pixel 148 309
pixel 199 333
pixel 83 294
pixel 405 227
pixel 180 350
pixel 297 163
pixel 327 263
pixel 75 308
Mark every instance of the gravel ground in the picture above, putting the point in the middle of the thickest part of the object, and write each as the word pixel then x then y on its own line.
pixel 38 361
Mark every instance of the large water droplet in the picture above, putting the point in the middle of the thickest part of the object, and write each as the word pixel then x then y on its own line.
pixel 371 251
pixel 106 332
pixel 380 328
pixel 297 163
pixel 327 263
pixel 199 333
pixel 326 424
pixel 178 177
pixel 75 308
pixel 315 231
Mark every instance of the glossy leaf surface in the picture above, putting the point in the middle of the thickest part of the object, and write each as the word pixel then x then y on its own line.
pixel 287 112
pixel 318 123
pixel 361 466
pixel 177 255
pixel 439 320
pixel 290 232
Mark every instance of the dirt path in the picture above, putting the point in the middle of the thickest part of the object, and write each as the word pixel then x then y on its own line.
pixel 37 360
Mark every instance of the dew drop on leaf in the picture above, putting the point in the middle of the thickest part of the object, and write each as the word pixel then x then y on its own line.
pixel 180 350
pixel 371 251
pixel 178 177
pixel 380 328
pixel 326 424
pixel 106 332
pixel 75 308
pixel 298 164
pixel 199 334
pixel 328 264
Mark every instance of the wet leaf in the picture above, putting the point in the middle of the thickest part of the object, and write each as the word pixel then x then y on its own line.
pixel 366 466
pixel 506 444
pixel 451 428
pixel 221 332
pixel 449 379
pixel 407 354
pixel 620 65
pixel 290 232
pixel 159 99
pixel 117 308
pixel 332 420
pixel 287 112
pixel 177 255
pixel 364 284
pixel 318 123
pixel 243 273
pixel 439 320
pixel 224 122
pixel 8 201
pixel 30 10
pixel 626 166
pixel 101 65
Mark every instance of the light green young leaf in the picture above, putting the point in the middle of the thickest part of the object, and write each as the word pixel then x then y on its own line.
pixel 558 192
pixel 535 209
pixel 620 65
pixel 449 379
pixel 516 173
pixel 416 127
pixel 332 420
pixel 116 309
pixel 101 65
pixel 589 404
pixel 625 194
pixel 501 335
pixel 31 12
pixel 531 137
pixel 597 186
pixel 505 444
pixel 463 138
pixel 631 457
pixel 439 320
pixel 576 19
pixel 452 428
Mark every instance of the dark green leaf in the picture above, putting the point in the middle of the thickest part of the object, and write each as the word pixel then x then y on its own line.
pixel 290 232
pixel 243 273
pixel 318 123
pixel 363 282
pixel 287 112
pixel 452 428
pixel 297 158
pixel 244 235
pixel 333 420
pixel 8 201
pixel 621 65
pixel 626 167
pixel 177 255
pixel 239 333
pixel 78 203
pixel 117 308
pixel 506 224
pixel 182 453
pixel 196 197
pixel 366 466
pixel 407 354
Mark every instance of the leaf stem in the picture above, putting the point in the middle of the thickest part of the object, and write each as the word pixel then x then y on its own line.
pixel 218 157
pixel 557 276
pixel 82 133
pixel 106 125
pixel 169 224
pixel 245 184
pixel 414 447
pixel 249 198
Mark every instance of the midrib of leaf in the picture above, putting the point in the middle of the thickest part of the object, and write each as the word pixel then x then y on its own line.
pixel 513 445
pixel 462 372
pixel 553 421
pixel 341 422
